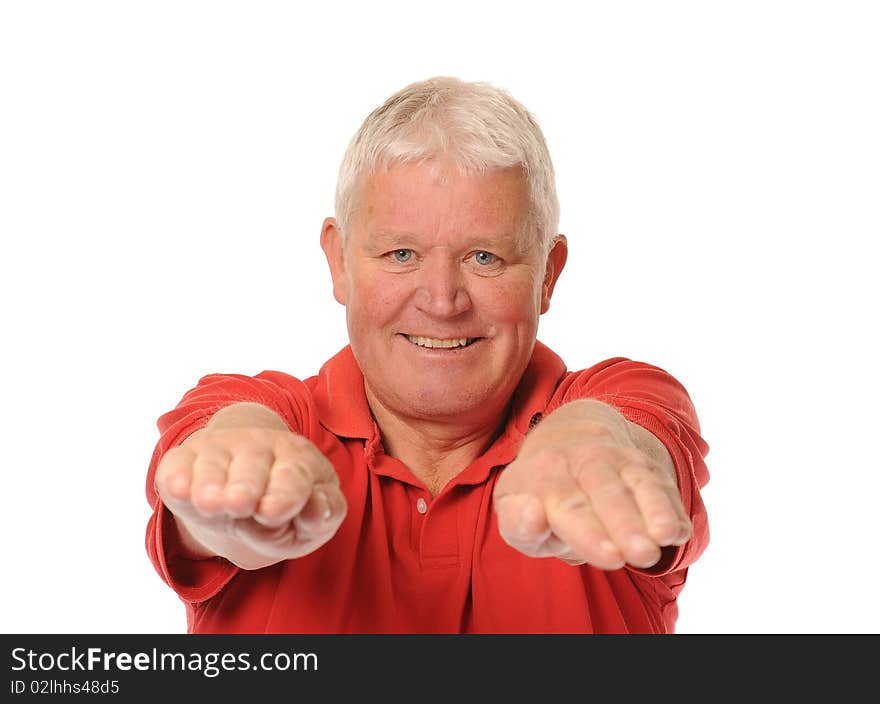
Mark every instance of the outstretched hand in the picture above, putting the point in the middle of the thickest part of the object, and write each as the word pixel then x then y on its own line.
pixel 588 488
pixel 254 495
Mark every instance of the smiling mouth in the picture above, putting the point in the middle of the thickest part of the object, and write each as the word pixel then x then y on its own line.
pixel 437 343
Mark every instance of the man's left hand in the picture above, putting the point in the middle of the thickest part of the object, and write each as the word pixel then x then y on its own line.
pixel 589 487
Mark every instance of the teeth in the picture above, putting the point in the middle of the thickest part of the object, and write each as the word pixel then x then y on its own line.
pixel 434 342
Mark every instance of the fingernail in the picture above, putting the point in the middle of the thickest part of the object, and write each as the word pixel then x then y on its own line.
pixel 262 520
pixel 526 524
pixel 607 546
pixel 663 521
pixel 640 543
pixel 510 502
pixel 241 488
pixel 178 485
pixel 683 536
pixel 211 492
pixel 323 504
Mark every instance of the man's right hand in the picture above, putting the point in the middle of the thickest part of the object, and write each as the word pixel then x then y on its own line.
pixel 254 495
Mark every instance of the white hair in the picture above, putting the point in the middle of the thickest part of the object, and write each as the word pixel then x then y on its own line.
pixel 479 127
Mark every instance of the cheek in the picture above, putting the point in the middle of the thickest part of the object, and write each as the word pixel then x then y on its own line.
pixel 374 300
pixel 513 301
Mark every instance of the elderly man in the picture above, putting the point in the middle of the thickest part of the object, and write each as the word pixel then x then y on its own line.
pixel 444 472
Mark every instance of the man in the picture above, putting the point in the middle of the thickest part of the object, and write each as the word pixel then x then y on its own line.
pixel 444 472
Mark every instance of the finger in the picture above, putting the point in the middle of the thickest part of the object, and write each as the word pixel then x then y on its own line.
pixel 297 448
pixel 295 538
pixel 563 528
pixel 524 476
pixel 278 542
pixel 246 480
pixel 288 488
pixel 319 507
pixel 322 514
pixel 599 474
pixel 174 475
pixel 522 497
pixel 522 523
pixel 583 535
pixel 298 467
pixel 662 510
pixel 619 513
pixel 574 521
pixel 209 477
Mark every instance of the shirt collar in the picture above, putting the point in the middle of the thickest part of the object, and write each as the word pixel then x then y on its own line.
pixel 340 398
pixel 343 409
pixel 537 386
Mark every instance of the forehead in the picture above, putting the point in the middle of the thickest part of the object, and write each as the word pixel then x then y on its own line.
pixel 434 198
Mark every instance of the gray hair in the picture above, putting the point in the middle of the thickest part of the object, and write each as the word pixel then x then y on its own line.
pixel 478 126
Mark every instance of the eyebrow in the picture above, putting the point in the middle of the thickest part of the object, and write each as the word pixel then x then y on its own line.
pixel 389 236
pixel 489 242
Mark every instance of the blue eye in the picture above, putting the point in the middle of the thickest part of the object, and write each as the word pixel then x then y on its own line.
pixel 402 255
pixel 484 258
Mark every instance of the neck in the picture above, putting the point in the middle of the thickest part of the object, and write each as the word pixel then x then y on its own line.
pixel 435 451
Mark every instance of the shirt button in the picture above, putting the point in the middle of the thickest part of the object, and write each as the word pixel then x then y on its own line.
pixel 421 505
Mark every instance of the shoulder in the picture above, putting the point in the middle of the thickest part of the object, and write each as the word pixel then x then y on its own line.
pixel 621 378
pixel 268 387
pixel 287 395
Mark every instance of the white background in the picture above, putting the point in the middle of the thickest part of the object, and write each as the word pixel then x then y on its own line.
pixel 165 168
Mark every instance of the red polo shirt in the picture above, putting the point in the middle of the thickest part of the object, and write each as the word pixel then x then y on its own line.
pixel 406 562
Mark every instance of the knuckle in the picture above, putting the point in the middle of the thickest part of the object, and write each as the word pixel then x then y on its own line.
pixel 254 448
pixel 290 474
pixel 609 490
pixel 167 465
pixel 175 457
pixel 272 510
pixel 595 452
pixel 634 455
pixel 573 502
pixel 336 498
pixel 211 453
pixel 549 459
pixel 641 473
pixel 290 443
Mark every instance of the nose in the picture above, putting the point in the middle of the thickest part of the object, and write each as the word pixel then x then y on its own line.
pixel 442 289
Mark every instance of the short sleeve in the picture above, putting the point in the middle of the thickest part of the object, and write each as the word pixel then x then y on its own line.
pixel 652 398
pixel 197 580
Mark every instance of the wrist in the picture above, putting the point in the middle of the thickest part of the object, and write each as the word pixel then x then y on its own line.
pixel 246 414
pixel 583 419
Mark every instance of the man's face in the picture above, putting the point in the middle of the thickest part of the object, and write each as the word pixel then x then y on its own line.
pixel 442 295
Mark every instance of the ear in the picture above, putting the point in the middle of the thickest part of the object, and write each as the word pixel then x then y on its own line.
pixel 555 263
pixel 331 243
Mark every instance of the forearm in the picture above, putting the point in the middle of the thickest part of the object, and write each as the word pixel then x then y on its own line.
pixel 600 422
pixel 243 415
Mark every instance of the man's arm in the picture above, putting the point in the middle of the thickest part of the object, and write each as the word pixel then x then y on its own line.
pixel 589 486
pixel 246 488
